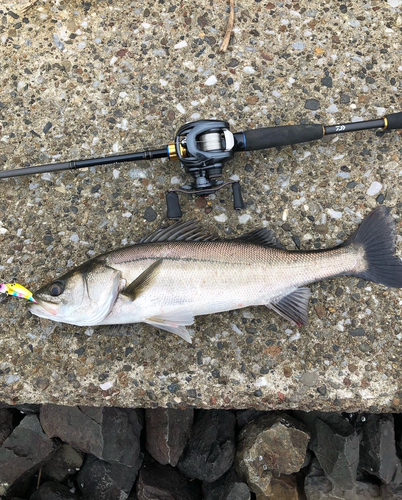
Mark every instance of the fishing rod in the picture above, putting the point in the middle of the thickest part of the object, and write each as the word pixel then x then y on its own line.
pixel 202 147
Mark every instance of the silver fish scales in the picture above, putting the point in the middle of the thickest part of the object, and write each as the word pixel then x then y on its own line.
pixel 179 273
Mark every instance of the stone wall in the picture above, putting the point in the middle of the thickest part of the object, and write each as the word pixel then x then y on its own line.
pixel 85 79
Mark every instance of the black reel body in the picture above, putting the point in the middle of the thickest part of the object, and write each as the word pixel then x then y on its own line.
pixel 202 147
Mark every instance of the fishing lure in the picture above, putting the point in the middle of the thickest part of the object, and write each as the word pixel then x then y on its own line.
pixel 17 291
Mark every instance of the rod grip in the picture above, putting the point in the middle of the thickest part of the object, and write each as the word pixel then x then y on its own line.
pixel 394 121
pixel 271 137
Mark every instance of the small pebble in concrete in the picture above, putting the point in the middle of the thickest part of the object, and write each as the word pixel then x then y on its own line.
pixel 312 104
pixel 374 188
pixel 211 80
pixel 150 214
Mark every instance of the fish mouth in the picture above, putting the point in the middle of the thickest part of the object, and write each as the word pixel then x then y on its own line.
pixel 44 309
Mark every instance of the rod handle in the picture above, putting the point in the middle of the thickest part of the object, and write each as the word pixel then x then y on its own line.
pixel 394 121
pixel 270 137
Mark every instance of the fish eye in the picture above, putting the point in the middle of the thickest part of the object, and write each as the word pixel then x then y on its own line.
pixel 56 288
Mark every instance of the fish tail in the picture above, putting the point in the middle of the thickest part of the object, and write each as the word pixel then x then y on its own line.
pixel 377 235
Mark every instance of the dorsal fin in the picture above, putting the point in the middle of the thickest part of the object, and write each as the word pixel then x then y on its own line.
pixel 262 236
pixel 179 231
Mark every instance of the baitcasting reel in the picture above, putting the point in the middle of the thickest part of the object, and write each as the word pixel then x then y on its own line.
pixel 203 146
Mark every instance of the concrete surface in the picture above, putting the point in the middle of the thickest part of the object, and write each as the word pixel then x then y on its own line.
pixel 82 79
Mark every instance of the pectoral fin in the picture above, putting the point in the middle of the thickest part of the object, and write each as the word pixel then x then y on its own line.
pixel 294 306
pixel 174 322
pixel 143 281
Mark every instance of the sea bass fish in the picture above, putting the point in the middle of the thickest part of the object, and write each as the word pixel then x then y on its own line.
pixel 178 273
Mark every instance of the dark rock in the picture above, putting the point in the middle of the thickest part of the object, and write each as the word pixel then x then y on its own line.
pixel 390 492
pixel 398 433
pixel 22 454
pixel 243 417
pixel 326 81
pixel 53 491
pixel 314 467
pixel 357 332
pixel 163 482
pixel 232 491
pixel 47 127
pixel 6 424
pixel 173 388
pixel 99 480
pixel 308 459
pixel 321 488
pixel 150 214
pixel 337 453
pixel 233 63
pixel 167 433
pixel 64 463
pixel 377 449
pixel 211 449
pixel 274 442
pixel 111 434
pixel 284 488
pixel 335 443
pixel 23 408
pixel 312 104
pixel 227 487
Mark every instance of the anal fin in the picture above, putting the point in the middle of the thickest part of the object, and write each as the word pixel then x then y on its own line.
pixel 294 306
pixel 174 322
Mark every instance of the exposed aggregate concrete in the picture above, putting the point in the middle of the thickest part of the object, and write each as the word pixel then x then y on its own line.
pixel 88 79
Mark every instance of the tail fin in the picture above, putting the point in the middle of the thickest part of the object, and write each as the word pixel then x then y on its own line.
pixel 377 235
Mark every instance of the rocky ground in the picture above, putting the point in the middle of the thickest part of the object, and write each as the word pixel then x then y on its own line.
pixel 84 79
pixel 52 452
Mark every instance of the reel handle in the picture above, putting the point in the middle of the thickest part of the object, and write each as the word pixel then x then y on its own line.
pixel 173 205
pixel 238 203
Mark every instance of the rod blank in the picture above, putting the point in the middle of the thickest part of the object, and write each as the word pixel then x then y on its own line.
pixel 248 140
pixel 90 162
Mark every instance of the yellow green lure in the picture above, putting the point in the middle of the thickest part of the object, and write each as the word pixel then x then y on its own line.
pixel 17 291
